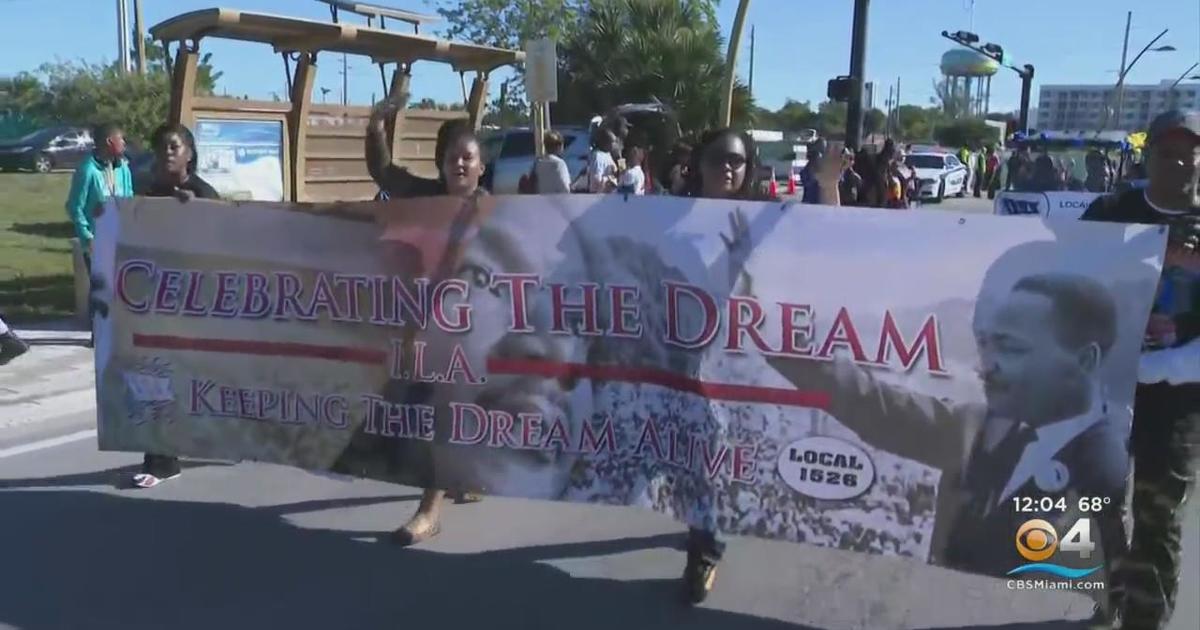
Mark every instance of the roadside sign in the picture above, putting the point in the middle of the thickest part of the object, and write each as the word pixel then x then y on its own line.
pixel 541 71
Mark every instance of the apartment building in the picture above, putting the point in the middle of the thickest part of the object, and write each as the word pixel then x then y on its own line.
pixel 1082 107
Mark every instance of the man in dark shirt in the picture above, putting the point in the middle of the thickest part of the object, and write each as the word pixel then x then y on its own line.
pixel 1020 167
pixel 1167 407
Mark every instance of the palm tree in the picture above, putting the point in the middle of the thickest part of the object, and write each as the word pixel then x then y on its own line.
pixel 624 51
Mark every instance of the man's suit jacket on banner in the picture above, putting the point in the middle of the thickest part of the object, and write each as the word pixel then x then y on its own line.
pixel 1083 456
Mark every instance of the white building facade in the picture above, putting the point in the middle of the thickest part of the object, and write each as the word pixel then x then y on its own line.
pixel 1075 108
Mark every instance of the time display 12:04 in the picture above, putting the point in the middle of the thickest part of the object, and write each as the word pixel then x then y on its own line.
pixel 1039 504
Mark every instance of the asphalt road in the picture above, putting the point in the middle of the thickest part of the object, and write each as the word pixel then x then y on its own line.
pixel 262 546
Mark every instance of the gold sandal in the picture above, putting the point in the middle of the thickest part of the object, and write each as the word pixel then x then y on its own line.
pixel 465 497
pixel 418 529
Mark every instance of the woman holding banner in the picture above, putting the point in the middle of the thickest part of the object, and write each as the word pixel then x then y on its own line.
pixel 174 176
pixel 723 168
pixel 460 167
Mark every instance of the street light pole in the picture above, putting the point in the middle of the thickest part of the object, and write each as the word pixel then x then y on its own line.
pixel 1181 79
pixel 1120 87
pixel 858 63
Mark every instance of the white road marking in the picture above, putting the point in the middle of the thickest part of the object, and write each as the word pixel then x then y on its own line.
pixel 47 443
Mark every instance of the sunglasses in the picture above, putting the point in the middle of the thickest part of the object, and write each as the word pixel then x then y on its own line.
pixel 730 160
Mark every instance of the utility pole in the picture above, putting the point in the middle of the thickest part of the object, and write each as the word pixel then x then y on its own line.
pixel 751 88
pixel 141 37
pixel 888 103
pixel 735 40
pixel 858 63
pixel 345 81
pixel 123 35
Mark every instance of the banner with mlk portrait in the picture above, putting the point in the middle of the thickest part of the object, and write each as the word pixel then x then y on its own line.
pixel 896 383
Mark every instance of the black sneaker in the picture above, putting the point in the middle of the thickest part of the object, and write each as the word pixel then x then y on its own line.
pixel 698 578
pixel 11 347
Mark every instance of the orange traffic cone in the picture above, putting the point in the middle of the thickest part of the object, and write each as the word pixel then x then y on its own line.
pixel 773 189
pixel 791 185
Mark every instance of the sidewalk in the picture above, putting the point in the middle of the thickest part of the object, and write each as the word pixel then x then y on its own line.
pixel 55 379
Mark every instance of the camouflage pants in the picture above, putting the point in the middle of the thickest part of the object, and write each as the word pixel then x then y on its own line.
pixel 1163 444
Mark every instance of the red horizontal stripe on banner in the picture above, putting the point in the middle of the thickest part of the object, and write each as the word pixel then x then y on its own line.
pixel 650 376
pixel 262 348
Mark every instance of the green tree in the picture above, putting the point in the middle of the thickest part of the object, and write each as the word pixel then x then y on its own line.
pixel 509 24
pixel 428 103
pixel 22 101
pixel 965 132
pixel 82 93
pixel 796 115
pixel 917 124
pixel 156 62
pixel 874 122
pixel 641 50
pixel 832 122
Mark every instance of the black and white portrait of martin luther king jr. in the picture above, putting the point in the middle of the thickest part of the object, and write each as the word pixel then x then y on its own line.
pixel 1045 428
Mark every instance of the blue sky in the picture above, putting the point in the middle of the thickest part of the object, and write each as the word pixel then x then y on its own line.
pixel 800 44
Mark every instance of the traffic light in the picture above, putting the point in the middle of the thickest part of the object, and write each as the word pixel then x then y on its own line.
pixel 840 89
pixel 994 51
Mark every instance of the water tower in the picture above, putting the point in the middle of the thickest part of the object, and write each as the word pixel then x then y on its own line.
pixel 968 82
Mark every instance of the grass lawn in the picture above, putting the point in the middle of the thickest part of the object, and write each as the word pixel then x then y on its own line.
pixel 36 281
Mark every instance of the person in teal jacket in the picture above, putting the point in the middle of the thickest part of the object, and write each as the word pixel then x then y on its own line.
pixel 105 174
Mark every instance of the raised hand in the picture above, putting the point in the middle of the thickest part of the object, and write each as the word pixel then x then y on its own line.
pixel 386 109
pixel 738 244
pixel 832 163
pixel 829 171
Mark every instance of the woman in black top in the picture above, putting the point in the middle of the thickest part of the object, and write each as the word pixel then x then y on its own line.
pixel 458 155
pixel 723 167
pixel 175 166
pixel 174 176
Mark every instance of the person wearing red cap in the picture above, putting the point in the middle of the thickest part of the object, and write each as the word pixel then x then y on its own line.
pixel 1167 404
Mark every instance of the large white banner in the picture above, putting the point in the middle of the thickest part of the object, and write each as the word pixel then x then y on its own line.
pixel 914 384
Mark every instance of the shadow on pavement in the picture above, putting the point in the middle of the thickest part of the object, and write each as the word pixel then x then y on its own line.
pixel 120 478
pixel 81 559
pixel 1037 625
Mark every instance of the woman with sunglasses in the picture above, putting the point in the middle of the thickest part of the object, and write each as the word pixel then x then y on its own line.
pixel 723 168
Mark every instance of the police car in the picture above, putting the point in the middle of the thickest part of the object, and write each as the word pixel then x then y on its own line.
pixel 940 174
